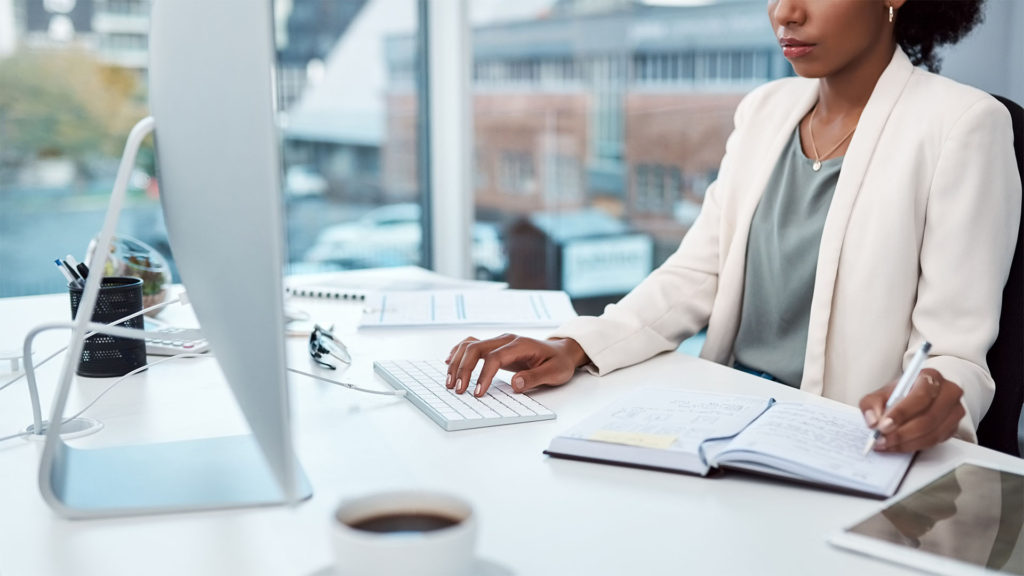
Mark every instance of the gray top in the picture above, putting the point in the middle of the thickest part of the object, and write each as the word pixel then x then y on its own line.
pixel 782 256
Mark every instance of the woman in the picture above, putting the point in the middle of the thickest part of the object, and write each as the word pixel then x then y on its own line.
pixel 860 210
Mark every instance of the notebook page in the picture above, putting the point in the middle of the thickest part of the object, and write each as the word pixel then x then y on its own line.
pixel 670 419
pixel 818 443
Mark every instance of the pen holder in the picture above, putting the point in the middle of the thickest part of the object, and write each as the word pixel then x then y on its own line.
pixel 104 355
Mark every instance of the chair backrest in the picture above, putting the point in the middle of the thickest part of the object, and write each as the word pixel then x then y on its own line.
pixel 998 429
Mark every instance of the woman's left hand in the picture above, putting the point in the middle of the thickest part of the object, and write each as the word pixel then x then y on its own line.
pixel 927 416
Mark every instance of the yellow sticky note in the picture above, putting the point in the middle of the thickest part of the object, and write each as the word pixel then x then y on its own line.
pixel 657 441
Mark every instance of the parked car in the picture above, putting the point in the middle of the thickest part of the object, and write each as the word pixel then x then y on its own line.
pixel 301 180
pixel 391 235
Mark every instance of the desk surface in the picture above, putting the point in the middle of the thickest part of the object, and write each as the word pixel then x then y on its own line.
pixel 537 515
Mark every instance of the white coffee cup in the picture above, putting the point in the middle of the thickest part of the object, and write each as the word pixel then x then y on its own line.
pixel 404 533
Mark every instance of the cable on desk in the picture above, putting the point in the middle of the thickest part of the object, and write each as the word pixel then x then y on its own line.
pixel 111 387
pixel 183 298
pixel 399 393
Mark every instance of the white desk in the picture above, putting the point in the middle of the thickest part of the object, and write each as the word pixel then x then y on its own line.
pixel 537 515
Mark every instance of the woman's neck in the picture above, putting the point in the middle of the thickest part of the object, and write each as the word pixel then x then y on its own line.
pixel 847 91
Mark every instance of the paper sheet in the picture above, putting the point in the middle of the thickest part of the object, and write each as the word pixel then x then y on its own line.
pixel 476 307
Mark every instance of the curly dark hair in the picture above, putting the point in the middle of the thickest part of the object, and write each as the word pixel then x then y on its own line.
pixel 923 25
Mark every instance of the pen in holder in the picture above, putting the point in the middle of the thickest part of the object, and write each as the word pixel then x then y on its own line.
pixel 103 355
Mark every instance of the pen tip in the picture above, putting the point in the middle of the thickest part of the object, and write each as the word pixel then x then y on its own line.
pixel 869 445
pixel 926 347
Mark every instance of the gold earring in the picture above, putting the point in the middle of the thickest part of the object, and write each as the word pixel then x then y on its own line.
pixel 892 14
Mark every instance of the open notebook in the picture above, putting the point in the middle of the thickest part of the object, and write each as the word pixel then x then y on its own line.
pixel 697 432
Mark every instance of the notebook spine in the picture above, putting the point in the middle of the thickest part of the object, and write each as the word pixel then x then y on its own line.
pixel 326 293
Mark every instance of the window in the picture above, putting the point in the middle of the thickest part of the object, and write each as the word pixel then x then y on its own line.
pixel 609 110
pixel 625 121
pixel 517 174
pixel 68 101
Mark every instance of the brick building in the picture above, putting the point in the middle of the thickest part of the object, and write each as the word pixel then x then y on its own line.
pixel 622 106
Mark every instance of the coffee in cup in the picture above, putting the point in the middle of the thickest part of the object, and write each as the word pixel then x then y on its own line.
pixel 406 532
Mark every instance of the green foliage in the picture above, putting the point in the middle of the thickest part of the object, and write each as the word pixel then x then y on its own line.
pixel 65 103
pixel 153 277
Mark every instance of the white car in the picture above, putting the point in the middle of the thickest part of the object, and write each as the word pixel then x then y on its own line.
pixel 390 236
pixel 301 180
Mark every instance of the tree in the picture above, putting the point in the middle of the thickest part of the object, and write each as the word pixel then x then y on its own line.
pixel 64 104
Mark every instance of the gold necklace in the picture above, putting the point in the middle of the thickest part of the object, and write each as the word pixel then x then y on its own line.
pixel 817 158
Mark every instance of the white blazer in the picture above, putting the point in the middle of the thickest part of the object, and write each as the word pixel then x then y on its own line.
pixel 916 245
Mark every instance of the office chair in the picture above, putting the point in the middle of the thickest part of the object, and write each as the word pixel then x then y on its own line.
pixel 998 429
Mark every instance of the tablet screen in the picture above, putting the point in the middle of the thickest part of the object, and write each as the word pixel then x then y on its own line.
pixel 972 514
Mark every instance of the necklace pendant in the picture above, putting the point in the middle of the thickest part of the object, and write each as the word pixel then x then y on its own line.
pixel 816 166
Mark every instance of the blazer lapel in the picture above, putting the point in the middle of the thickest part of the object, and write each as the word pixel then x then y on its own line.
pixel 869 128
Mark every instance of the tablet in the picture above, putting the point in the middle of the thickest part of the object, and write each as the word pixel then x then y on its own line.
pixel 967 521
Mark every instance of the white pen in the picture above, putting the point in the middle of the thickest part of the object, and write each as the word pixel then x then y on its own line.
pixel 72 281
pixel 902 388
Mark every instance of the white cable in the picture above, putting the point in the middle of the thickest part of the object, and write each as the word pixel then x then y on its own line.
pixel 132 373
pixel 399 393
pixel 18 435
pixel 113 329
pixel 109 388
pixel 181 298
pixel 85 328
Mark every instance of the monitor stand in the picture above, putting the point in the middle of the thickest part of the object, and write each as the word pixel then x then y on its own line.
pixel 131 480
pixel 191 475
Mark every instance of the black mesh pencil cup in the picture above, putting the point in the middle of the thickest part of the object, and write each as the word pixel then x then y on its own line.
pixel 104 355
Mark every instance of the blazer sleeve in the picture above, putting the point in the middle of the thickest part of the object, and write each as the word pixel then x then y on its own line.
pixel 674 302
pixel 970 232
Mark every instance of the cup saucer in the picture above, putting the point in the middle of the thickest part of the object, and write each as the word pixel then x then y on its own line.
pixel 484 567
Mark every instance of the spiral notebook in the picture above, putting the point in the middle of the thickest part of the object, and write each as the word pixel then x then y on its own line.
pixel 358 285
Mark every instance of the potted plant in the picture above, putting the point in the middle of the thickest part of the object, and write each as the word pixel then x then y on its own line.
pixel 132 257
pixel 155 277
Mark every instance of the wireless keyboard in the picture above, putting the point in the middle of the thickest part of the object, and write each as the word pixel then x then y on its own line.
pixel 423 381
pixel 175 340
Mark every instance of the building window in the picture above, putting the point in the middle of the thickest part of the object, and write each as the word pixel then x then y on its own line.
pixel 563 184
pixel 481 178
pixel 657 188
pixel 517 175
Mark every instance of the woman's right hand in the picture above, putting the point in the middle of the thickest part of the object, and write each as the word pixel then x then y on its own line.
pixel 536 362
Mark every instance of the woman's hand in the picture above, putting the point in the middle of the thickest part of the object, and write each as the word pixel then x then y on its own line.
pixel 927 416
pixel 538 362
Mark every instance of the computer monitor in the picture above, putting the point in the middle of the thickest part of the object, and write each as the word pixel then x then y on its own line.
pixel 211 84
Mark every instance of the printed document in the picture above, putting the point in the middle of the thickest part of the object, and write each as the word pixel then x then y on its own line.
pixel 468 308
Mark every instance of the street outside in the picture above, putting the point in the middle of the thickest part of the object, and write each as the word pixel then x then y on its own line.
pixel 39 225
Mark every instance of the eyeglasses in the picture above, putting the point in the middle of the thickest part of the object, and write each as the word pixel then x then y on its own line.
pixel 323 343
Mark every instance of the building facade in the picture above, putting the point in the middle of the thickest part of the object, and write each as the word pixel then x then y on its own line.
pixel 614 104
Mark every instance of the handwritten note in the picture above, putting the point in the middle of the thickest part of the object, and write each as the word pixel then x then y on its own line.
pixel 670 419
pixel 822 438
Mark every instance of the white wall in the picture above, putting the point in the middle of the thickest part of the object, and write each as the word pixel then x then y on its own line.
pixel 992 56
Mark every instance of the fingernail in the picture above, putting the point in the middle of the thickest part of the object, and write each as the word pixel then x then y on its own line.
pixel 887 425
pixel 476 392
pixel 518 383
pixel 870 418
pixel 458 384
pixel 880 443
pixel 448 381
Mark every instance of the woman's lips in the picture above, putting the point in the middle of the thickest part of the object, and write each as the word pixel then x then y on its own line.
pixel 794 48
